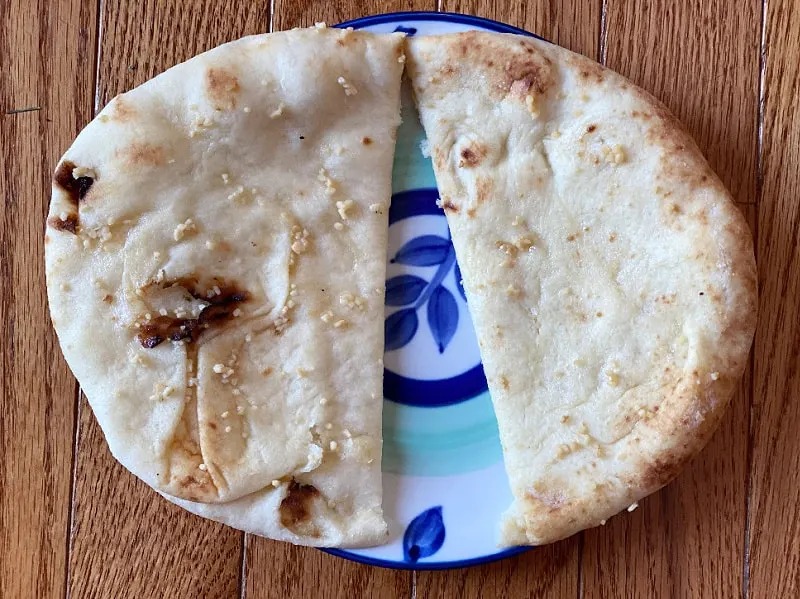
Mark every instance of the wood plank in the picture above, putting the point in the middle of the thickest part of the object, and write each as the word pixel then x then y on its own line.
pixel 129 542
pixel 279 570
pixel 126 540
pixel 701 60
pixel 551 571
pixel 573 24
pixel 304 13
pixel 774 532
pixel 142 39
pixel 47 50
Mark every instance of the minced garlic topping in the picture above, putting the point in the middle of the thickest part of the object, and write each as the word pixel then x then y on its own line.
pixel 186 227
pixel 344 208
pixel 277 112
pixel 349 90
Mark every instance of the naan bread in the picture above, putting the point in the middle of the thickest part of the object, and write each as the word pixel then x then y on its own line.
pixel 610 278
pixel 215 270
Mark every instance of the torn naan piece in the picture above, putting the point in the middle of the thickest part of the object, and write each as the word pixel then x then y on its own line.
pixel 610 277
pixel 215 270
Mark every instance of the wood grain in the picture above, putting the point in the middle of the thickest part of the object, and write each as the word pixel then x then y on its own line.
pixel 692 539
pixel 287 571
pixel 142 39
pixel 46 61
pixel 552 571
pixel 129 542
pixel 774 533
pixel 701 59
pixel 304 13
pixel 126 540
pixel 573 24
pixel 549 571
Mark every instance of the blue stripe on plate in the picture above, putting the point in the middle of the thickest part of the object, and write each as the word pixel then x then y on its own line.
pixel 450 17
pixel 399 565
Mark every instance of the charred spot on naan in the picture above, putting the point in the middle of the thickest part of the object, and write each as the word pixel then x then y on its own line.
pixel 121 111
pixel 223 88
pixel 468 42
pixel 645 116
pixel 661 471
pixel 76 188
pixel 296 509
pixel 141 154
pixel 483 189
pixel 440 157
pixel 222 300
pixel 517 70
pixel 68 223
pixel 472 155
pixel 691 177
pixel 525 75
pixel 188 477
pixel 449 206
pixel 681 162
pixel 591 73
pixel 197 487
pixel 545 497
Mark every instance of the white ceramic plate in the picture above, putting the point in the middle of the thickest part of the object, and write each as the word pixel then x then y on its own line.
pixel 444 487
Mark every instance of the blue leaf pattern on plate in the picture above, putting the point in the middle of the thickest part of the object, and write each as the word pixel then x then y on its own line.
pixel 459 284
pixel 409 31
pixel 426 250
pixel 404 290
pixel 415 292
pixel 424 536
pixel 399 328
pixel 442 316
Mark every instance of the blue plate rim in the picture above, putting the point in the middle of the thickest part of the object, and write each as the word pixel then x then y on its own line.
pixel 498 27
pixel 428 15
pixel 398 565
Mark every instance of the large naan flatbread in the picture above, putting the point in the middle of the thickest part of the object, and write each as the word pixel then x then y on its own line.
pixel 610 278
pixel 215 269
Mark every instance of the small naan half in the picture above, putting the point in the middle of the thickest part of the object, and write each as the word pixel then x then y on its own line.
pixel 215 270
pixel 610 278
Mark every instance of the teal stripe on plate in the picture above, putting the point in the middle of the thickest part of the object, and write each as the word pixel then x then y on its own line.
pixel 440 441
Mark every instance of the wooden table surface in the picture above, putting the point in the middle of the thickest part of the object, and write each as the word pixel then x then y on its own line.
pixel 73 522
